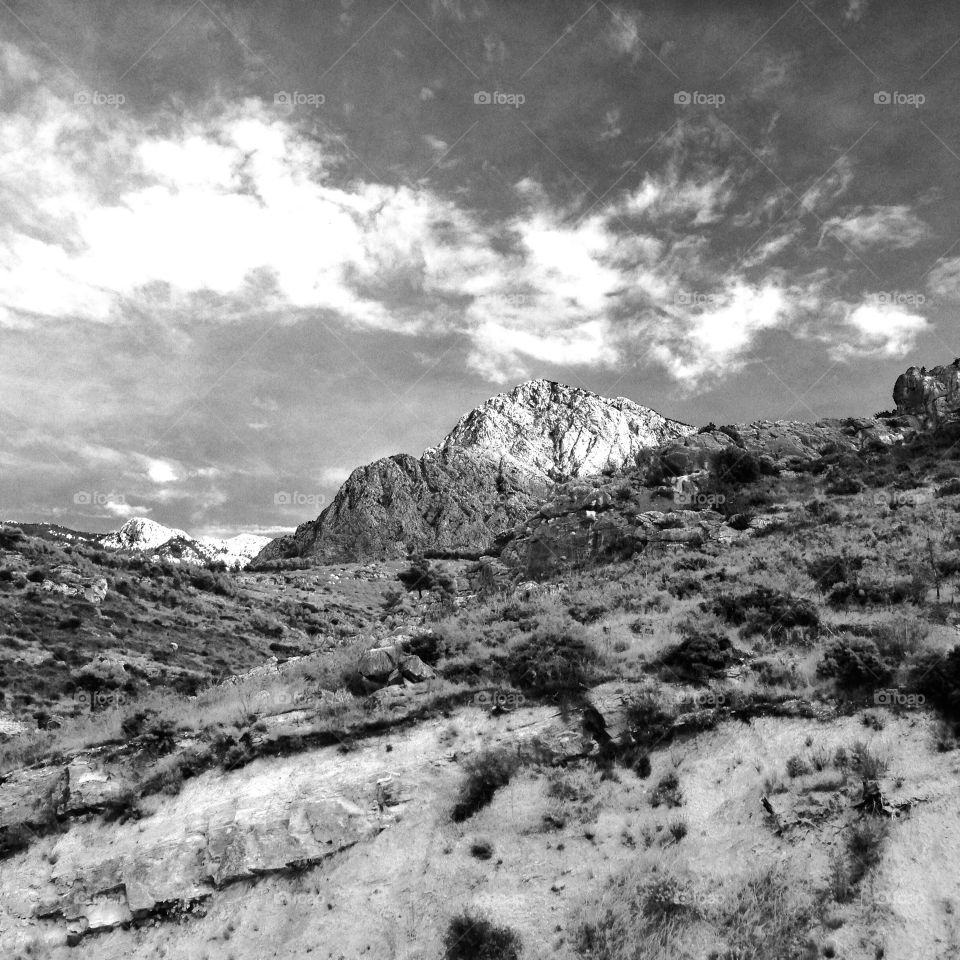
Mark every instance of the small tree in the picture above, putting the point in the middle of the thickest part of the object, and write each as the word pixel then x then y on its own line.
pixel 418 576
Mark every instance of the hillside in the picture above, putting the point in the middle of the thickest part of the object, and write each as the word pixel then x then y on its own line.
pixel 703 706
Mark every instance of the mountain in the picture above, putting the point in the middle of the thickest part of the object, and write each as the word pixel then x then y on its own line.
pixel 492 470
pixel 139 533
pixel 148 536
pixel 556 432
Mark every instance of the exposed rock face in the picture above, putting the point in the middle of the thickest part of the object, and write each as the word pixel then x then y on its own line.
pixel 930 396
pixel 558 432
pixel 493 469
pixel 148 536
pixel 447 499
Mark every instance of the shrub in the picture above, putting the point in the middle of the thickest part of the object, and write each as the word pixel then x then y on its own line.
pixel 486 773
pixel 10 537
pixel 844 486
pixel 865 847
pixel 678 830
pixel 827 571
pixel 699 658
pixel 855 662
pixel 797 767
pixel 949 489
pixel 481 849
pixel 766 611
pixel 936 676
pixel 667 791
pixel 648 723
pixel 470 936
pixel 552 661
pixel 733 466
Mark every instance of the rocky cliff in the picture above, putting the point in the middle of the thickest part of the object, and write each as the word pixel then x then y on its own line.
pixel 492 470
pixel 930 396
pixel 556 432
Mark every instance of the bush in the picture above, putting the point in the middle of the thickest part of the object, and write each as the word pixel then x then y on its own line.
pixel 766 611
pixel 481 849
pixel 473 937
pixel 10 537
pixel 485 775
pixel 733 466
pixel 552 661
pixel 827 571
pixel 698 658
pixel 936 676
pixel 855 662
pixel 844 486
pixel 870 592
pixel 949 489
pixel 667 792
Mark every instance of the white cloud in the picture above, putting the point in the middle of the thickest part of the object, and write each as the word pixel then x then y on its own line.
pixel 879 330
pixel 944 279
pixel 668 196
pixel 855 10
pixel 161 471
pixel 623 34
pixel 714 340
pixel 123 510
pixel 877 226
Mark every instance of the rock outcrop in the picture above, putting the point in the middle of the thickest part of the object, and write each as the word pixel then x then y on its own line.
pixel 930 397
pixel 494 468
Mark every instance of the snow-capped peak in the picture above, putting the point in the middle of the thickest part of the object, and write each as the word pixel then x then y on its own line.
pixel 144 535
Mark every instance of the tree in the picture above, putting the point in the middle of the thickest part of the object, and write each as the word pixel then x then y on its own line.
pixel 418 576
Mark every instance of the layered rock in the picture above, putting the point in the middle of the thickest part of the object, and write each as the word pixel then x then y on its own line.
pixel 931 397
pixel 494 468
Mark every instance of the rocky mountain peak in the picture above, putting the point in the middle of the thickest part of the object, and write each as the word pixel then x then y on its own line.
pixel 488 473
pixel 554 431
pixel 141 533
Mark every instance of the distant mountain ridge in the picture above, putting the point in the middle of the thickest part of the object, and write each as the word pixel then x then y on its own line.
pixel 490 471
pixel 168 543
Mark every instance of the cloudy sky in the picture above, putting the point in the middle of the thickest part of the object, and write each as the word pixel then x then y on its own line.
pixel 246 246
